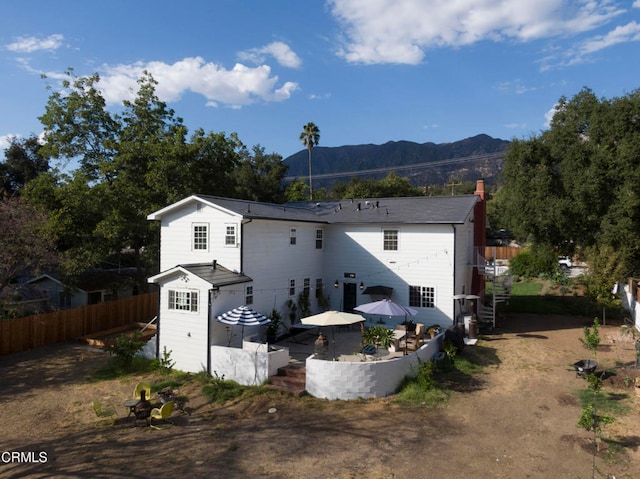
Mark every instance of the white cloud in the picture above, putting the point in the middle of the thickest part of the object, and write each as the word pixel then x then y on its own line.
pixel 32 44
pixel 400 31
pixel 236 87
pixel 583 51
pixel 5 141
pixel 636 4
pixel 278 50
pixel 515 86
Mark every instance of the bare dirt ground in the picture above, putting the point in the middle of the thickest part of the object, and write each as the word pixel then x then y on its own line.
pixel 516 420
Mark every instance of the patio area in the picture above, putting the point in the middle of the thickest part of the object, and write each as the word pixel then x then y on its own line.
pixel 344 344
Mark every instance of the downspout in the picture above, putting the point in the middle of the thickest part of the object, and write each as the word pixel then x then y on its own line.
pixel 454 319
pixel 210 294
pixel 242 223
pixel 158 327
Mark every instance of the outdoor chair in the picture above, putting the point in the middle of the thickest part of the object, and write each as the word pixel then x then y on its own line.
pixel 142 386
pixel 106 414
pixel 161 414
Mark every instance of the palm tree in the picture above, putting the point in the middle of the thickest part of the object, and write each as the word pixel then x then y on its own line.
pixel 310 137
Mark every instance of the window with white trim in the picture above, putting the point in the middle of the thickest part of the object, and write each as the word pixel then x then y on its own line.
pixel 306 286
pixel 183 300
pixel 422 296
pixel 319 288
pixel 230 237
pixel 319 238
pixel 292 236
pixel 292 287
pixel 248 296
pixel 201 236
pixel 390 240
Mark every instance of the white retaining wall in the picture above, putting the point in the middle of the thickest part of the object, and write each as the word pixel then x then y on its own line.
pixel 370 379
pixel 249 367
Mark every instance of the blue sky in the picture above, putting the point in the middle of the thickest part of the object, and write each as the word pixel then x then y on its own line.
pixel 365 71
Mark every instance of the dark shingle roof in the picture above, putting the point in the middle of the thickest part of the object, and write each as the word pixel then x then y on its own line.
pixel 220 276
pixel 418 209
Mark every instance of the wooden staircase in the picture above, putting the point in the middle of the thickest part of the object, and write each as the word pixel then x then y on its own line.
pixel 291 379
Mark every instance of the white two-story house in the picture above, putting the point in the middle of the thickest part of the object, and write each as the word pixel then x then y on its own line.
pixel 218 253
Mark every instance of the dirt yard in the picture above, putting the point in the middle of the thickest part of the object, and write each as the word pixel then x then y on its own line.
pixel 517 420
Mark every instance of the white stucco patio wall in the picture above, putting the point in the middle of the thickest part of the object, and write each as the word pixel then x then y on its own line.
pixel 251 366
pixel 368 379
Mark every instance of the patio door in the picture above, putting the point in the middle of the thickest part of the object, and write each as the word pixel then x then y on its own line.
pixel 349 296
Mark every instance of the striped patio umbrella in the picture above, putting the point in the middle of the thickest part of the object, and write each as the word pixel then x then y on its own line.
pixel 243 316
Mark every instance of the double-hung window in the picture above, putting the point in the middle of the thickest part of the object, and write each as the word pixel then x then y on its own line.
pixel 248 297
pixel 422 296
pixel 293 236
pixel 230 235
pixel 292 287
pixel 390 240
pixel 200 236
pixel 319 238
pixel 183 300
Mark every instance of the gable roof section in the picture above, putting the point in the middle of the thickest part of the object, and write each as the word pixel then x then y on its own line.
pixel 218 277
pixel 416 210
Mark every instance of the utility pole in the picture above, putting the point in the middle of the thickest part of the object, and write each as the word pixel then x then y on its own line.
pixel 453 186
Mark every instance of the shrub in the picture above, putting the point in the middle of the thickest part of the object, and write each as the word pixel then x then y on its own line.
pixel 125 348
pixel 533 263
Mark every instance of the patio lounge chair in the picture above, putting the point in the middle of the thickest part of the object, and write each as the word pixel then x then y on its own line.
pixel 106 414
pixel 161 414
pixel 142 386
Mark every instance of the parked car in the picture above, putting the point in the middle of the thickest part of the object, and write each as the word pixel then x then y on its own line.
pixel 565 262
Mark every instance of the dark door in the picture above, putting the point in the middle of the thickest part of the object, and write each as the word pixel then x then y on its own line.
pixel 349 298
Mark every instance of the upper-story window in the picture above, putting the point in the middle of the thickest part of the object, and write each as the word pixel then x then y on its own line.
pixel 292 236
pixel 183 300
pixel 319 238
pixel 230 235
pixel 248 297
pixel 201 236
pixel 390 240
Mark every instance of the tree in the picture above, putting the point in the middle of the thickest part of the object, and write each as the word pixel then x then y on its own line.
pixel 310 137
pixel 258 177
pixel 23 162
pixel 576 185
pixel 25 245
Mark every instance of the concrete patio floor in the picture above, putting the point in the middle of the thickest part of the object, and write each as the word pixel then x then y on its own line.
pixel 344 344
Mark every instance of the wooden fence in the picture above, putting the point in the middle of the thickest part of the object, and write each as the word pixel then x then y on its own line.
pixel 501 252
pixel 21 334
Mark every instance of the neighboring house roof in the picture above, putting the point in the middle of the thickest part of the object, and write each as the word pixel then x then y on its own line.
pixel 217 276
pixel 94 279
pixel 417 209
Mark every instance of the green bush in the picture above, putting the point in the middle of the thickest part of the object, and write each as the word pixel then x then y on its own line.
pixel 125 348
pixel 533 263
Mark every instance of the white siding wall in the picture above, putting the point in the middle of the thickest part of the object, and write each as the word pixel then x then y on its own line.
pixel 464 259
pixel 176 237
pixel 424 258
pixel 271 261
pixel 184 333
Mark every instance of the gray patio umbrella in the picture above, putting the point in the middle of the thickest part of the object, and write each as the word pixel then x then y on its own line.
pixel 332 318
pixel 386 307
pixel 243 316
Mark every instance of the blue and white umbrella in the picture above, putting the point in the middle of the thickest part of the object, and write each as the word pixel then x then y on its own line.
pixel 243 316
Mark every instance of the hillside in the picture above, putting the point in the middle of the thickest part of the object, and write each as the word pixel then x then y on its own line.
pixel 480 156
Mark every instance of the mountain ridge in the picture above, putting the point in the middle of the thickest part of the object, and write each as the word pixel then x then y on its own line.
pixel 480 156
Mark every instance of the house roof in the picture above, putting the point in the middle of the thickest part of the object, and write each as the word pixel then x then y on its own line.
pixel 217 277
pixel 417 209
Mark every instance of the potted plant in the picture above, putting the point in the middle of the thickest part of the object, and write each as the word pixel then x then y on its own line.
pixel 379 336
pixel 274 326
pixel 434 330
